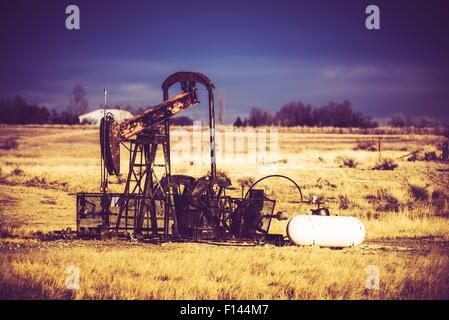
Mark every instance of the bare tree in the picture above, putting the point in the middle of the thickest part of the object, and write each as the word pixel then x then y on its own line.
pixel 259 117
pixel 334 114
pixel 400 120
pixel 238 122
pixel 78 101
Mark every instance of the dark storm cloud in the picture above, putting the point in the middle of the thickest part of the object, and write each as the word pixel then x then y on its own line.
pixel 262 53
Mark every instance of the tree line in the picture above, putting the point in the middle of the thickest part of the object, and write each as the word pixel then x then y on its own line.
pixel 334 114
pixel 294 114
pixel 19 111
pixel 400 120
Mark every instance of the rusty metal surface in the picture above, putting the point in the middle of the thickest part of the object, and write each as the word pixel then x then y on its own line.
pixel 187 76
pixel 167 206
pixel 188 81
pixel 110 144
pixel 156 115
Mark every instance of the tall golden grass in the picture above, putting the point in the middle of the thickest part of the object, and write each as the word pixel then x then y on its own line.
pixel 405 212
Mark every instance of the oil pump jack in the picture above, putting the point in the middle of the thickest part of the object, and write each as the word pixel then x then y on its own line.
pixel 170 207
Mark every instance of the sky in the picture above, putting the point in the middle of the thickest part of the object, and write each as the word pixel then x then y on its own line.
pixel 258 53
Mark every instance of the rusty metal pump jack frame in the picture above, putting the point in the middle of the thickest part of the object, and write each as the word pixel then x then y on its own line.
pixel 170 207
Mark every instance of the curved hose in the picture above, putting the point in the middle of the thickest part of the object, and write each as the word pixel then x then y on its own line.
pixel 276 176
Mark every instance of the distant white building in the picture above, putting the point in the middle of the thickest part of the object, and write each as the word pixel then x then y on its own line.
pixel 94 117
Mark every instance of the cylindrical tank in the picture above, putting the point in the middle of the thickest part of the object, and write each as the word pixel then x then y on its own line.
pixel 326 231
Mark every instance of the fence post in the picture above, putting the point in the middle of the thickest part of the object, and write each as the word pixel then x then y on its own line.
pixel 380 148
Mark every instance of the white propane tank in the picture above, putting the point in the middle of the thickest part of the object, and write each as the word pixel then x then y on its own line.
pixel 326 231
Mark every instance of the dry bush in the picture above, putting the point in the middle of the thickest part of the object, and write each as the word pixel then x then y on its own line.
pixel 37 182
pixel 42 182
pixel 419 193
pixel 3 179
pixel 9 144
pixel 345 161
pixel 366 146
pixel 383 200
pixel 120 179
pixel 441 202
pixel 427 153
pixel 324 183
pixel 344 202
pixel 223 174
pixel 437 194
pixel 17 172
pixel 246 182
pixel 220 174
pixel 385 164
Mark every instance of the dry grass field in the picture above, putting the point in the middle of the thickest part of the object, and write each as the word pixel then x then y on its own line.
pixel 405 211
